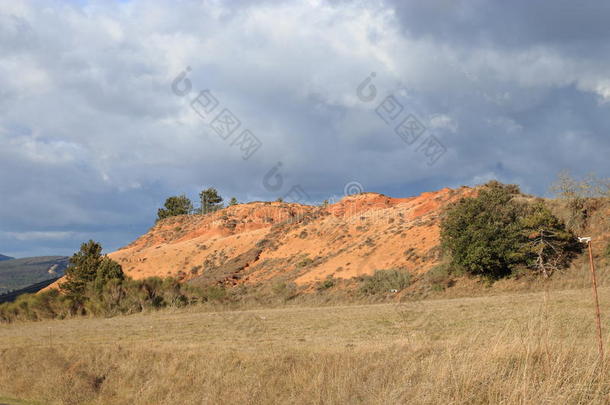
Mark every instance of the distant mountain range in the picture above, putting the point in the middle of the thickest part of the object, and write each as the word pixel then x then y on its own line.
pixel 16 274
pixel 2 257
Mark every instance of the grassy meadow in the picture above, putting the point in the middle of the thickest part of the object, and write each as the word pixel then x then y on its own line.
pixel 536 347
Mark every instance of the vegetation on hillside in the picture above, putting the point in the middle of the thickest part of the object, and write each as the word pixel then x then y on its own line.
pixel 210 201
pixel 579 197
pixel 385 281
pixel 89 271
pixel 176 205
pixel 549 246
pixel 496 233
pixel 96 285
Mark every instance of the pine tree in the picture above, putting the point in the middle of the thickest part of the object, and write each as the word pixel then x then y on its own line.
pixel 89 269
pixel 176 205
pixel 210 200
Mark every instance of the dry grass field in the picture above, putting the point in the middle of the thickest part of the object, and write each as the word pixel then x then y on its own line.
pixel 519 348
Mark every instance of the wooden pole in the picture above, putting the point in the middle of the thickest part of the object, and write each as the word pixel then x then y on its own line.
pixel 595 297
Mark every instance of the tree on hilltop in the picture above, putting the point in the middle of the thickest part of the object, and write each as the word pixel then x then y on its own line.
pixel 210 201
pixel 176 205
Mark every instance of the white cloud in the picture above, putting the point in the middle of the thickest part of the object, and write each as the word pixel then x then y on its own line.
pixel 39 235
pixel 443 121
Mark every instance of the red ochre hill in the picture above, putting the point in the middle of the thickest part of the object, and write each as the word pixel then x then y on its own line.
pixel 263 241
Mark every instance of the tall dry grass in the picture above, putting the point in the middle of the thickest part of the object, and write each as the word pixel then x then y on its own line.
pixel 433 373
pixel 515 349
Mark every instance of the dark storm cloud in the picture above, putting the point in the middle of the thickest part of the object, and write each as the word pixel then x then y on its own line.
pixel 92 139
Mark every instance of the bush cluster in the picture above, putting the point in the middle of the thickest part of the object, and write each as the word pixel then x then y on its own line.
pixel 495 233
pixel 117 297
pixel 385 281
pixel 440 277
pixel 326 284
pixel 95 285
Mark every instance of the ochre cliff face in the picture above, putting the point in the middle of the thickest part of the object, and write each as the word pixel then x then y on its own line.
pixel 260 241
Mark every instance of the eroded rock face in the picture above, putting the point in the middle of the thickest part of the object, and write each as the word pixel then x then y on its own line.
pixel 260 241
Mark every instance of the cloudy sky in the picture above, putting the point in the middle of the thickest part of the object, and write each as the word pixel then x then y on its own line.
pixel 108 107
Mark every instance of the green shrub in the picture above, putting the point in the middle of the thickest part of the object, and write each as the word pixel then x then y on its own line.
pixel 384 281
pixel 439 277
pixel 213 293
pixel 482 233
pixel 329 282
pixel 607 251
pixel 131 296
pixel 304 263
pixel 286 290
pixel 95 285
pixel 493 233
pixel 34 307
pixel 126 296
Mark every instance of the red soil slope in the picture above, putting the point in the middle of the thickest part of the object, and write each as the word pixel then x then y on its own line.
pixel 260 241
